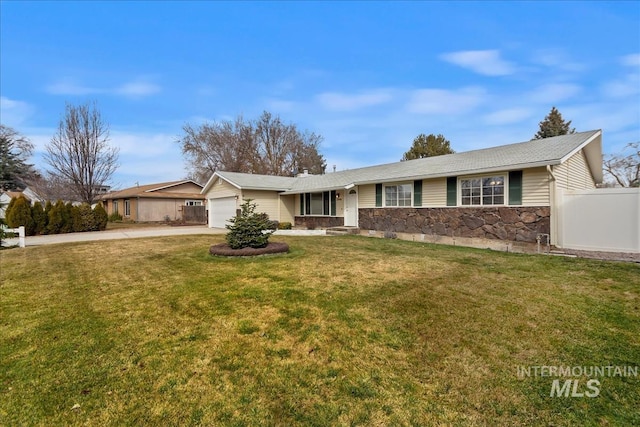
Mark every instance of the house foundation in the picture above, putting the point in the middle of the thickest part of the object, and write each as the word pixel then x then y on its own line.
pixel 517 224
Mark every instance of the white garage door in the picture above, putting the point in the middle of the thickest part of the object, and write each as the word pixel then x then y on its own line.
pixel 220 210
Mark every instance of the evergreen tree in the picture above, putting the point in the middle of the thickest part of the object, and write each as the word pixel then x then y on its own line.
pixel 47 209
pixel 101 217
pixel 553 125
pixel 67 218
pixel 56 218
pixel 20 215
pixel 428 146
pixel 39 218
pixel 14 150
pixel 250 229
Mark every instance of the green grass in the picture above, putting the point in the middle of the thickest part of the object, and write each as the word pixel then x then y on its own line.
pixel 340 331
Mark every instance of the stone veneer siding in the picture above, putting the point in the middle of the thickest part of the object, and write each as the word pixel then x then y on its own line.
pixel 313 222
pixel 521 224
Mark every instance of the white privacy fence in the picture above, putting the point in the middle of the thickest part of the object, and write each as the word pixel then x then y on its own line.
pixel 605 219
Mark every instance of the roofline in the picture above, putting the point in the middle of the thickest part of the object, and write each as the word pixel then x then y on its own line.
pixel 172 185
pixel 209 183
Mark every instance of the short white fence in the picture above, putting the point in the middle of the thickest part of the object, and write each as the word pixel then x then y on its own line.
pixel 604 219
pixel 21 235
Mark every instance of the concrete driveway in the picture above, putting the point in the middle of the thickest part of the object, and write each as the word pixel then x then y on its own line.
pixel 131 233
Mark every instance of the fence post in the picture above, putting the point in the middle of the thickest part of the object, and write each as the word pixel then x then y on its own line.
pixel 21 239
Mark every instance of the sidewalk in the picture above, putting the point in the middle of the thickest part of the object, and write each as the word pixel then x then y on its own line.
pixel 116 234
pixel 133 233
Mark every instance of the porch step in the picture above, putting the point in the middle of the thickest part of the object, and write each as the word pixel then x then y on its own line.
pixel 341 231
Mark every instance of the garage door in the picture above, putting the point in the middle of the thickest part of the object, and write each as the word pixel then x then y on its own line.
pixel 220 210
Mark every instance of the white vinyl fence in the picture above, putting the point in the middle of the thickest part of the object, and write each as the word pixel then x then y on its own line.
pixel 21 235
pixel 604 219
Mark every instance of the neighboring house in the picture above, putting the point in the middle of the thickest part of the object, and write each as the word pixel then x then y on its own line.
pixel 6 196
pixel 154 202
pixel 506 192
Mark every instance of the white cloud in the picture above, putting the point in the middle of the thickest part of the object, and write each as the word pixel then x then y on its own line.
pixel 623 87
pixel 442 101
pixel 554 92
pixel 143 145
pixel 558 59
pixel 136 89
pixel 69 88
pixel 508 116
pixel 632 60
pixel 349 102
pixel 14 113
pixel 486 62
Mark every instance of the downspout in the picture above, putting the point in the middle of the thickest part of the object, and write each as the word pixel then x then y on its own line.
pixel 553 223
pixel 138 209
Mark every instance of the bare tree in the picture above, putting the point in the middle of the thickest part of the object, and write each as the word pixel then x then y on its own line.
pixel 285 150
pixel 53 187
pixel 219 146
pixel 79 152
pixel 624 168
pixel 265 146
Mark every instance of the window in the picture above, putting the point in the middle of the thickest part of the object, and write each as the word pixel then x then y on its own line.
pixel 193 203
pixel 318 203
pixel 115 207
pixel 482 191
pixel 398 195
pixel 127 208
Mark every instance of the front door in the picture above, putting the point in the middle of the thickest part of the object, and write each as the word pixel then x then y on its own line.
pixel 351 208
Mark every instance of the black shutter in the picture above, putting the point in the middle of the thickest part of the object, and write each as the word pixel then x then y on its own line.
pixel 452 191
pixel 307 203
pixel 378 195
pixel 515 187
pixel 333 202
pixel 325 203
pixel 301 204
pixel 417 193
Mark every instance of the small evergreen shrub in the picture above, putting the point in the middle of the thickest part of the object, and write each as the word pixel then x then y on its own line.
pixel 39 218
pixel 84 219
pixel 284 226
pixel 249 229
pixel 115 217
pixel 19 214
pixel 56 218
pixel 100 216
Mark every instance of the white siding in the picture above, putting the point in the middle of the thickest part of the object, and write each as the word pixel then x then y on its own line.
pixel 367 196
pixel 287 209
pixel 535 187
pixel 222 188
pixel 266 201
pixel 434 192
pixel 574 174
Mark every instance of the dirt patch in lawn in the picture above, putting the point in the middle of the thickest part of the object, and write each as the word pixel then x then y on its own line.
pixel 223 249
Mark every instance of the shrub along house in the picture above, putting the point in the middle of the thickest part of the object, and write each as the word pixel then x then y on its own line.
pixel 155 202
pixel 506 192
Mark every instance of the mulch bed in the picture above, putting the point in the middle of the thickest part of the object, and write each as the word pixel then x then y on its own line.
pixel 223 249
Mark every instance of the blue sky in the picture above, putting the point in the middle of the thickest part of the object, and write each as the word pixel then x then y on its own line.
pixel 368 76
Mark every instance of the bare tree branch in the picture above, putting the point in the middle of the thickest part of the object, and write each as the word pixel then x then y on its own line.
pixel 79 152
pixel 624 168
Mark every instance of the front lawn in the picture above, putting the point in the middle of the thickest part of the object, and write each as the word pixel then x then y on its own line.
pixel 340 331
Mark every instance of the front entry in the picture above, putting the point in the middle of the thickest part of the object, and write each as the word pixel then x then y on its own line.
pixel 351 208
